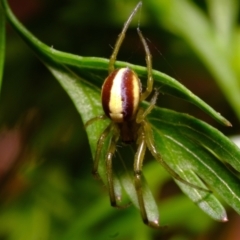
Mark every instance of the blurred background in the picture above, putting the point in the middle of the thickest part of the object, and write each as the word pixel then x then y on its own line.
pixel 46 187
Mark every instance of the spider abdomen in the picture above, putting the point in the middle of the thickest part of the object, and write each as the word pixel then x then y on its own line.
pixel 121 95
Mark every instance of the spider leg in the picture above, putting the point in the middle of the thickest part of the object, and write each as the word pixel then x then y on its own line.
pixel 110 152
pixel 94 119
pixel 151 146
pixel 149 88
pixel 143 113
pixel 109 168
pixel 100 143
pixel 121 37
pixel 138 161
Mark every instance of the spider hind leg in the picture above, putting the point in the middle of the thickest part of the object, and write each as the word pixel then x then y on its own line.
pixel 152 148
pixel 138 181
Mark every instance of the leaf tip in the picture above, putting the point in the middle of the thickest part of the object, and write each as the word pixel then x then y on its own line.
pixel 227 123
pixel 224 121
pixel 224 219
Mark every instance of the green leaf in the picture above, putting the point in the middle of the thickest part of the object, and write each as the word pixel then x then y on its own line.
pixel 124 170
pixel 95 69
pixel 224 15
pixel 187 20
pixel 2 43
pixel 192 148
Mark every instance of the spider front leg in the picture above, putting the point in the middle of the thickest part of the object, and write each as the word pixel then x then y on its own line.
pixel 121 38
pixel 149 88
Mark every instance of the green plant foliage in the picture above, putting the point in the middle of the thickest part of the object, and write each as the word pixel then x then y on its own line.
pixel 191 147
pixel 195 148
pixel 214 38
pixel 2 43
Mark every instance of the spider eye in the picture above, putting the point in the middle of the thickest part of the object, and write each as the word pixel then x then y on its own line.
pixel 121 95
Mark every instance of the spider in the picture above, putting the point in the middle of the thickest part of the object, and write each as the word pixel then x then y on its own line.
pixel 121 96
